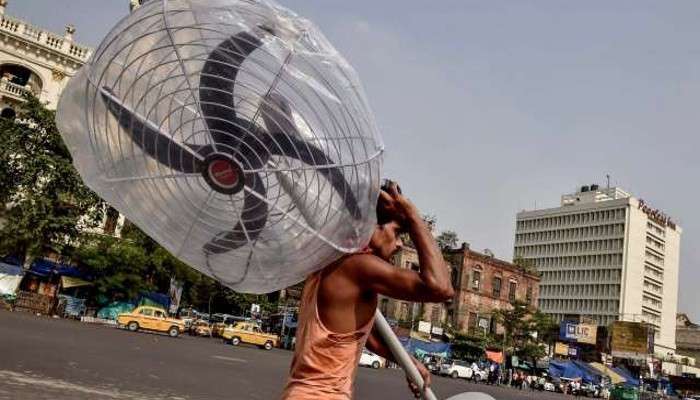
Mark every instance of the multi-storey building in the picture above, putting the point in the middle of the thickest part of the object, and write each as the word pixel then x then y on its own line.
pixel 605 255
pixel 35 60
pixel 484 284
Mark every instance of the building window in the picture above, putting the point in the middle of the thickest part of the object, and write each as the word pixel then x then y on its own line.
pixel 497 287
pixel 511 291
pixel 456 277
pixel 403 316
pixel 472 321
pixel 476 280
pixel 528 294
pixel 384 306
pixel 435 315
pixel 8 113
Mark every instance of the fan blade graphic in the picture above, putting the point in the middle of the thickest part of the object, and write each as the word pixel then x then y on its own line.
pixel 151 139
pixel 251 223
pixel 285 140
pixel 248 144
pixel 216 85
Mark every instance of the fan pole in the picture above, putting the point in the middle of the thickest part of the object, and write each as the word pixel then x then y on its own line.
pixel 400 354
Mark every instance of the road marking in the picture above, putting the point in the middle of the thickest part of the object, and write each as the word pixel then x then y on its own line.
pixel 230 359
pixel 15 381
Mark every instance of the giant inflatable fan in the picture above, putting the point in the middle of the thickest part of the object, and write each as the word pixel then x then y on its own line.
pixel 231 132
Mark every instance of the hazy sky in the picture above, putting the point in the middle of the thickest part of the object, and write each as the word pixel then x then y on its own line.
pixel 490 107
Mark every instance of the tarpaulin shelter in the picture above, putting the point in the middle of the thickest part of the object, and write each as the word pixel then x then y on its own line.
pixel 627 375
pixel 615 378
pixel 573 370
pixel 112 310
pixel 154 299
pixel 495 356
pixel 10 277
pixel 43 267
pixel 422 348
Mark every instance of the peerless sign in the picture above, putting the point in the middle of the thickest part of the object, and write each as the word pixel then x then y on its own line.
pixel 657 215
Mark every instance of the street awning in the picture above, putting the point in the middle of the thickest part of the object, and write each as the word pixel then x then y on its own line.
pixel 10 277
pixel 495 356
pixel 69 282
pixel 615 378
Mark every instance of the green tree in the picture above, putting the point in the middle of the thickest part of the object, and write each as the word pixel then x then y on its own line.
pixel 447 239
pixel 43 201
pixel 527 264
pixel 524 329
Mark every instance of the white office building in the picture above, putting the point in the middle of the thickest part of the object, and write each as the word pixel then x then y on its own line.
pixel 605 255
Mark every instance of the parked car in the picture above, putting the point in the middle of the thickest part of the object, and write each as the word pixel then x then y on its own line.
pixel 248 332
pixel 432 363
pixel 456 369
pixel 200 328
pixel 151 319
pixel 222 321
pixel 369 359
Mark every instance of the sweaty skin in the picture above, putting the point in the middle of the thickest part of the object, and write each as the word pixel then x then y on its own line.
pixel 339 302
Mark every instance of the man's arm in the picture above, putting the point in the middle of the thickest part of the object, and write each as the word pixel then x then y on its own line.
pixel 376 345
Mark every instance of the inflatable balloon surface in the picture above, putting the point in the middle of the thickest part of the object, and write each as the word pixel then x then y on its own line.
pixel 232 133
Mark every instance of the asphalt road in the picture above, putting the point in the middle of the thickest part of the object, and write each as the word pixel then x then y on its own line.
pixel 46 358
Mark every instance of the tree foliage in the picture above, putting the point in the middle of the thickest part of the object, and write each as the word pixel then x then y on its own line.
pixel 43 198
pixel 447 239
pixel 526 330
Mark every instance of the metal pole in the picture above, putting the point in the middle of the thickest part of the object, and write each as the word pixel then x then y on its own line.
pixel 400 354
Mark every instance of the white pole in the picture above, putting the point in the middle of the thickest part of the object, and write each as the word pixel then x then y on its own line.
pixel 400 354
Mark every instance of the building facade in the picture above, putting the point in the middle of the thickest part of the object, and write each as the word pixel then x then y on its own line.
pixel 35 60
pixel 605 255
pixel 484 284
pixel 687 337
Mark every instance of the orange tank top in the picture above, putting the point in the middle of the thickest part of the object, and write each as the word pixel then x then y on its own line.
pixel 325 362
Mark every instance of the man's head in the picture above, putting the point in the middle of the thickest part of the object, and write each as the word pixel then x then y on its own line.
pixel 386 239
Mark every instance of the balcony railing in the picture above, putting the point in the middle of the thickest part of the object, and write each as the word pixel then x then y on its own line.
pixel 31 33
pixel 13 89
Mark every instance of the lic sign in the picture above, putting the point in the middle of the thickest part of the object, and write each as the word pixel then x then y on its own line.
pixel 577 332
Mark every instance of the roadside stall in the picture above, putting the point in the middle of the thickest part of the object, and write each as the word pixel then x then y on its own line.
pixel 10 278
pixel 49 286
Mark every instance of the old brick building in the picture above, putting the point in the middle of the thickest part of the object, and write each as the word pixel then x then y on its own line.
pixel 406 311
pixel 483 284
pixel 687 337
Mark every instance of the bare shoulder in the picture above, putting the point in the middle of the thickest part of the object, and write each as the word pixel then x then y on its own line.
pixel 362 266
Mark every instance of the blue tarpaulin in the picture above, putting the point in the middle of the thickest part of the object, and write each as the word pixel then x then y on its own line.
pixel 420 347
pixel 154 299
pixel 627 375
pixel 45 268
pixel 573 370
pixel 10 269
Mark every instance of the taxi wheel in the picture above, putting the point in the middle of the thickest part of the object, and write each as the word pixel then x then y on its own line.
pixel 268 346
pixel 173 331
pixel 235 340
pixel 375 365
pixel 133 326
pixel 454 375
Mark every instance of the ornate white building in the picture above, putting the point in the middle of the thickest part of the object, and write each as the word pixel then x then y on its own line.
pixel 36 60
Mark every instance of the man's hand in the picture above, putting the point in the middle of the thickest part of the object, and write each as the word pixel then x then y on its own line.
pixel 417 392
pixel 396 205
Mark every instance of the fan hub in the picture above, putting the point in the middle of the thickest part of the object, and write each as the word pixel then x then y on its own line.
pixel 223 173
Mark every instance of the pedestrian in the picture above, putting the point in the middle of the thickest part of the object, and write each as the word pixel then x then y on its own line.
pixel 339 302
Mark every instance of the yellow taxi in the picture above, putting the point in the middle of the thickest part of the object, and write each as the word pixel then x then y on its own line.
pixel 248 332
pixel 200 328
pixel 151 319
